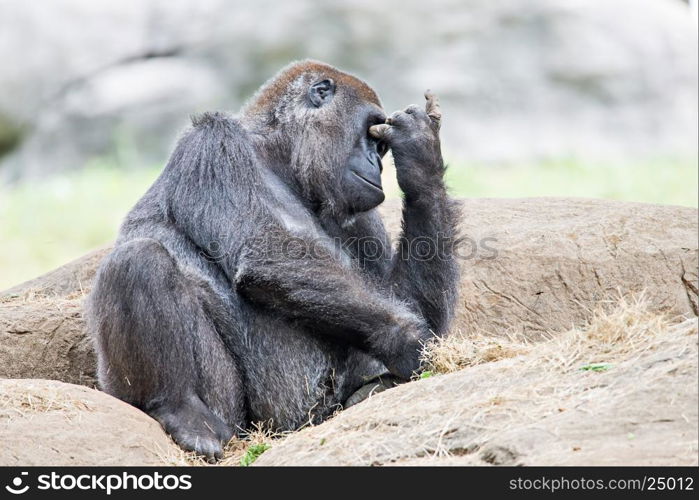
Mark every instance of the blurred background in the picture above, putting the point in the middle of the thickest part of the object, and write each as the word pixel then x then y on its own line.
pixel 594 98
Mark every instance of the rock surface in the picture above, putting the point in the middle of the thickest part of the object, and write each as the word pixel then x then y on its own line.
pixel 45 422
pixel 44 337
pixel 547 263
pixel 69 279
pixel 543 79
pixel 42 332
pixel 541 265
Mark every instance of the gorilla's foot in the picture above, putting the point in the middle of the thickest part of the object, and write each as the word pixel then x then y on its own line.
pixel 194 427
pixel 379 384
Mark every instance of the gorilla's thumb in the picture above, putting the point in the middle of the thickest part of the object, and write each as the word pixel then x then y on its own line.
pixel 380 131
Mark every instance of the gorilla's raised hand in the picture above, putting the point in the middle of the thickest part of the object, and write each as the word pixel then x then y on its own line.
pixel 413 136
pixel 428 213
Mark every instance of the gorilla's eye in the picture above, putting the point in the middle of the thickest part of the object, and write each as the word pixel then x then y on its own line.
pixel 321 92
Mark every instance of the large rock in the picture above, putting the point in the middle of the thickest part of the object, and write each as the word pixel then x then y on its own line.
pixel 45 422
pixel 131 113
pixel 44 337
pixel 519 81
pixel 42 332
pixel 539 266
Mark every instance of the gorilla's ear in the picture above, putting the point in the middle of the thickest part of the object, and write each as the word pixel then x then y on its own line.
pixel 321 92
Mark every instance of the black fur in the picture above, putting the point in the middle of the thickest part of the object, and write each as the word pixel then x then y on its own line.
pixel 206 318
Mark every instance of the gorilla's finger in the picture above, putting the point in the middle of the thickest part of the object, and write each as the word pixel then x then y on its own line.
pixel 412 109
pixel 432 107
pixel 380 131
pixel 398 118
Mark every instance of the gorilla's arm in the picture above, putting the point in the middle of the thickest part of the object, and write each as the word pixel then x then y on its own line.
pixel 424 269
pixel 207 188
pixel 218 201
pixel 332 299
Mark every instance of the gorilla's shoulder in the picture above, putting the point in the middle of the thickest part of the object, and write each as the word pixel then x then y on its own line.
pixel 215 127
pixel 216 120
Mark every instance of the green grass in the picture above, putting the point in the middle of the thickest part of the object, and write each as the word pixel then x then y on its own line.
pixel 45 224
pixel 665 181
pixel 596 367
pixel 253 453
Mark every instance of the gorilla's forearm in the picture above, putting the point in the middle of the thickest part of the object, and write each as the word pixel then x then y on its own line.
pixel 424 269
pixel 331 300
pixel 425 254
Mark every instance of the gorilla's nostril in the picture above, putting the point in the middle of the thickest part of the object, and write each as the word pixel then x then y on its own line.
pixel 377 162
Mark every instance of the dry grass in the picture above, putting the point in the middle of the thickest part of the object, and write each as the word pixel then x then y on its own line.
pixel 32 403
pixel 233 453
pixel 616 330
pixel 458 351
pixel 640 352
pixel 27 403
pixel 34 295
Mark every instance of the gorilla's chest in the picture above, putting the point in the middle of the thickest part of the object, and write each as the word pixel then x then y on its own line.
pixel 300 224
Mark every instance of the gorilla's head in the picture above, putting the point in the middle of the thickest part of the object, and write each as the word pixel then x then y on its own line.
pixel 312 121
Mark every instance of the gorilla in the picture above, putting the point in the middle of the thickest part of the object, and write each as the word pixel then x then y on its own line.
pixel 255 282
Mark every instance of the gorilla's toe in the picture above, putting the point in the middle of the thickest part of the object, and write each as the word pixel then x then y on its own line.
pixel 223 431
pixel 375 386
pixel 194 427
pixel 208 446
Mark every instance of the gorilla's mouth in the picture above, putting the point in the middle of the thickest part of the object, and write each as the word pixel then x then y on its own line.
pixel 372 184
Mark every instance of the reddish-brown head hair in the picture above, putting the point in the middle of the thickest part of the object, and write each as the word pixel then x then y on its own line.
pixel 269 94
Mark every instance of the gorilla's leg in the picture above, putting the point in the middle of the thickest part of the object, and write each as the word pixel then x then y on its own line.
pixel 293 377
pixel 158 336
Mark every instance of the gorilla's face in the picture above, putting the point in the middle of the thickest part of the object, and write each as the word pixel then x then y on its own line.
pixel 313 124
pixel 361 178
pixel 358 162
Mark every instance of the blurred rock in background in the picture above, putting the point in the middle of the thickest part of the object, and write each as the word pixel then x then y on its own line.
pixel 84 80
